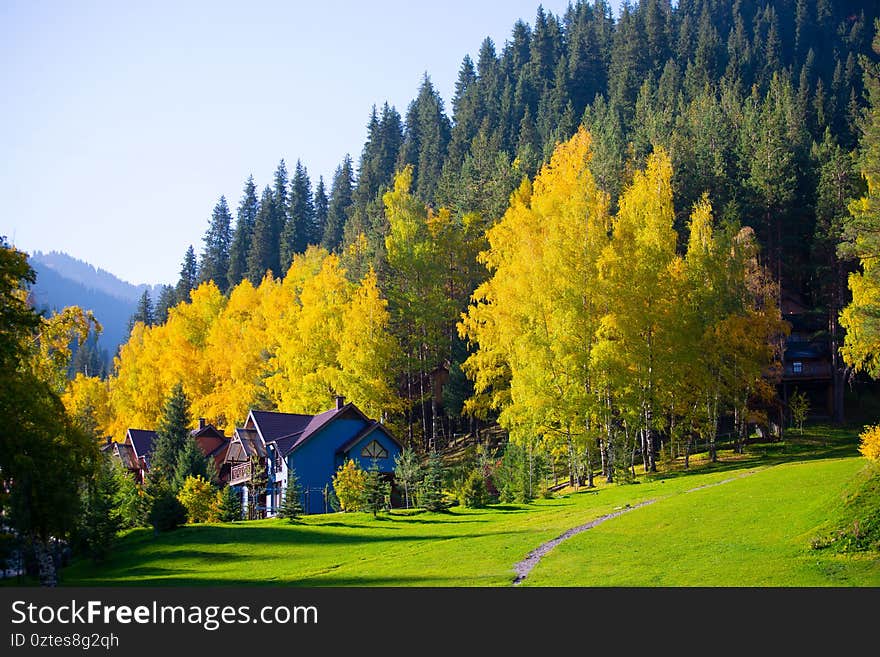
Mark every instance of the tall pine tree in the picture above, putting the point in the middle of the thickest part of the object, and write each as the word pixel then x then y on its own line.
pixel 189 276
pixel 341 191
pixel 246 219
pixel 214 264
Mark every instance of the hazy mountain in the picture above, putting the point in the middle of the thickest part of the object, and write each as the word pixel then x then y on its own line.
pixel 91 277
pixel 65 281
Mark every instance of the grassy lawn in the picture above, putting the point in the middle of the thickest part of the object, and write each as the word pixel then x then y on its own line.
pixel 753 529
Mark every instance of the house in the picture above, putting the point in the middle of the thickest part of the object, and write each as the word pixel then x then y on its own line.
pixel 134 452
pixel 313 446
pixel 807 357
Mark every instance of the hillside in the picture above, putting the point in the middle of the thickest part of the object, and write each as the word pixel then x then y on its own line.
pixel 65 281
pixel 749 520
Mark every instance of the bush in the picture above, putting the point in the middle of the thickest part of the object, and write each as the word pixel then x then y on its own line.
pixel 350 483
pixel 474 493
pixel 167 513
pixel 870 443
pixel 197 496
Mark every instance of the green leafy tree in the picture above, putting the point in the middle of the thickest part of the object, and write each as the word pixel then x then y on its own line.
pixel 45 457
pixel 799 407
pixel 291 507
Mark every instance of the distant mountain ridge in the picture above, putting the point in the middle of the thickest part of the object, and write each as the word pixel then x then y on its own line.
pixel 63 280
pixel 93 277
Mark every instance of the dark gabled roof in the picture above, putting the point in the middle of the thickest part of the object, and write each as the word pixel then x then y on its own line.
pixel 250 443
pixel 142 440
pixel 273 426
pixel 293 440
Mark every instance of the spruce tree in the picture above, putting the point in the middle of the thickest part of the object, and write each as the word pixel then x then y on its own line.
pixel 192 462
pixel 338 209
pixel 300 230
pixel 264 245
pixel 100 520
pixel 171 436
pixel 229 504
pixel 189 276
pixel 322 210
pixel 246 219
pixel 291 507
pixel 167 300
pixel 214 265
pixel 376 490
pixel 431 489
pixel 144 312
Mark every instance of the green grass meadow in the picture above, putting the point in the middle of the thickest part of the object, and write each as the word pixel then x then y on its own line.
pixel 748 521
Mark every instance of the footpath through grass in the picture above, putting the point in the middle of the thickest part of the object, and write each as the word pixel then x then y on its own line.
pixel 752 529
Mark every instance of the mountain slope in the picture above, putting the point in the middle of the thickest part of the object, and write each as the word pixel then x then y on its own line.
pixel 65 281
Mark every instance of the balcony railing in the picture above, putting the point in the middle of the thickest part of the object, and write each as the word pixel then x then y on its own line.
pixel 239 473
pixel 807 370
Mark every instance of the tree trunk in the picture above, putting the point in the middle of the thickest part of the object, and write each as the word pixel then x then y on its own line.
pixel 48 573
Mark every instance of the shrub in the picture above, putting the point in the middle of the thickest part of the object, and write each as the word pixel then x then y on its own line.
pixel 167 512
pixel 227 505
pixel 197 496
pixel 870 443
pixel 350 483
pixel 474 493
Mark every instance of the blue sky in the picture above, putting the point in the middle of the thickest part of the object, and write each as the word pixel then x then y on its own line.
pixel 122 123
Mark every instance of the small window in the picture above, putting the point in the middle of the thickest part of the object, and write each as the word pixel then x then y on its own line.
pixel 797 367
pixel 374 451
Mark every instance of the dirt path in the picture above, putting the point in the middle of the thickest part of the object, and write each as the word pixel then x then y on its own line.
pixel 524 567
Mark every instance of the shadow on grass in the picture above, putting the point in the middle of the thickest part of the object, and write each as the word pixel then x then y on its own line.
pixel 314 581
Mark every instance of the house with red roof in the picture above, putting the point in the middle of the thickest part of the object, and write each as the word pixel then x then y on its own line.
pixel 135 451
pixel 313 446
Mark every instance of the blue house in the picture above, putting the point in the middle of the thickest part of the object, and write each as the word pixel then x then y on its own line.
pixel 314 446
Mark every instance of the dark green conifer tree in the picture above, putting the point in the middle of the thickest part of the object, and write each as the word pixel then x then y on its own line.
pixel 291 506
pixel 230 505
pixel 300 230
pixel 264 246
pixel 431 487
pixel 189 276
pixel 341 199
pixel 214 263
pixel 171 435
pixel 376 491
pixel 322 210
pixel 167 300
pixel 191 462
pixel 246 219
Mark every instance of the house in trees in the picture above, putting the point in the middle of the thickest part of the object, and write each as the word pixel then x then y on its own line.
pixel 807 358
pixel 270 444
pixel 134 452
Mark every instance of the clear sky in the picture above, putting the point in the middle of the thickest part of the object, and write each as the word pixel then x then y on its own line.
pixel 122 123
